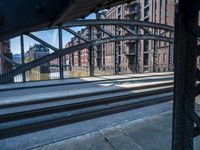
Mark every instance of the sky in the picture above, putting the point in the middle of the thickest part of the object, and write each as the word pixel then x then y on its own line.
pixel 50 36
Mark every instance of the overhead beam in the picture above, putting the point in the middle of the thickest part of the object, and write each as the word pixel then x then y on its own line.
pixel 127 29
pixel 104 31
pixel 91 22
pixel 76 34
pixel 42 42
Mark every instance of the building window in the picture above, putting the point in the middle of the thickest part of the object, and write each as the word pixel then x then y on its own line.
pixel 146 2
pixel 146 59
pixel 160 11
pixel 146 12
pixel 146 46
pixel 119 10
pixel 158 58
pixel 166 8
pixel 164 57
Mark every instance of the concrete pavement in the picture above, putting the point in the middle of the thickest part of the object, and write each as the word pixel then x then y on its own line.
pixel 149 133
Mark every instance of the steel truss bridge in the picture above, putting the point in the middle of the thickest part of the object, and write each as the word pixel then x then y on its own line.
pixel 134 30
pixel 186 122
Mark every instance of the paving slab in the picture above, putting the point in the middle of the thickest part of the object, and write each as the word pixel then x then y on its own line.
pixel 93 141
pixel 69 131
pixel 119 140
pixel 149 133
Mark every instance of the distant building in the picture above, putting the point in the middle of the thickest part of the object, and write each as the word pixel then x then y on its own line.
pixel 80 58
pixel 36 51
pixel 5 51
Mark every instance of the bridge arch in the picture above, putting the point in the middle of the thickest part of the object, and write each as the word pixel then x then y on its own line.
pixel 150 31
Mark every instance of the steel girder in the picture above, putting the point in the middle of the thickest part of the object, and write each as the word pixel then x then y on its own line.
pixel 120 24
pixel 186 122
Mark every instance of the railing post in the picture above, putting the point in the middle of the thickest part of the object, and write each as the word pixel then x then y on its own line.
pixel 61 57
pixel 170 57
pixel 155 52
pixel 91 54
pixel 22 56
pixel 116 51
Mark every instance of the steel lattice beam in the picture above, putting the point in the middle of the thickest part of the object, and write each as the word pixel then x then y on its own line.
pixel 185 88
pixel 92 41
pixel 62 52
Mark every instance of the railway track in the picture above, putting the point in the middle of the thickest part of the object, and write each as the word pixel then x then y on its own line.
pixel 26 117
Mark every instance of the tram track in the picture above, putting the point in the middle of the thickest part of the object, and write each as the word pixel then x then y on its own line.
pixel 30 117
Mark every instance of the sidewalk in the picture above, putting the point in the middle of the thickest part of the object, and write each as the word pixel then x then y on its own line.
pixel 150 133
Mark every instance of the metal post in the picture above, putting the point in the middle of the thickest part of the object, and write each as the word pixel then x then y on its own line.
pixel 22 56
pixel 155 53
pixel 116 53
pixel 170 56
pixel 185 74
pixel 137 65
pixel 91 54
pixel 61 57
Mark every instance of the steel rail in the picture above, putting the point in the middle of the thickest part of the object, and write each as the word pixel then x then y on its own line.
pixel 40 101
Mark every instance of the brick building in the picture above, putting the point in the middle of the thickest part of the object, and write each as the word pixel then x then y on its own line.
pixel 137 56
pixel 36 51
pixel 134 55
pixel 5 51
pixel 80 58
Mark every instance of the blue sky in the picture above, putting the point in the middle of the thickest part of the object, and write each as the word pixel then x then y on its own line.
pixel 50 36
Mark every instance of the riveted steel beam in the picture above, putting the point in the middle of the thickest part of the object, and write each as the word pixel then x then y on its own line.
pixel 104 31
pixel 185 88
pixel 76 34
pixel 42 42
pixel 117 22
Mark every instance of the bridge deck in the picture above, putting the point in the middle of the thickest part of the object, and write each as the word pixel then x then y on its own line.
pixel 147 128
pixel 14 86
pixel 36 91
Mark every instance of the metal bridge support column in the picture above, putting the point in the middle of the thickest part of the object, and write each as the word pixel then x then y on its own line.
pixel 91 54
pixel 155 45
pixel 185 88
pixel 61 57
pixel 154 56
pixel 170 57
pixel 22 56
pixel 116 52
